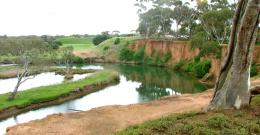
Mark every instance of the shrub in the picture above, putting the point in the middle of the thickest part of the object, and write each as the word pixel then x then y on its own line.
pixel 202 68
pixel 126 54
pixel 106 48
pixel 77 60
pixel 100 38
pixel 117 41
pixel 197 67
pixel 253 69
pixel 139 55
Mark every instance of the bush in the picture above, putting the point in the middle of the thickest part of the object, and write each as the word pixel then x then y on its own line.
pixel 126 54
pixel 253 70
pixel 196 67
pixel 77 60
pixel 202 68
pixel 106 48
pixel 117 41
pixel 100 38
pixel 139 55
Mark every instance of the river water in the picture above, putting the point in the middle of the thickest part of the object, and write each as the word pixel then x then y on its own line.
pixel 137 84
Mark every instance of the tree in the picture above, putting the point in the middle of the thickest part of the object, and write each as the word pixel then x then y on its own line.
pixel 233 84
pixel 23 75
pixel 216 23
pixel 155 22
pixel 67 58
pixel 100 38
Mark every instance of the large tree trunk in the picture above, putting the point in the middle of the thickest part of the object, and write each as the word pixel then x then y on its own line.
pixel 232 87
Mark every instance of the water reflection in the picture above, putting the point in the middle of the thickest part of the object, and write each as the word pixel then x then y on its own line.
pixel 43 79
pixel 157 77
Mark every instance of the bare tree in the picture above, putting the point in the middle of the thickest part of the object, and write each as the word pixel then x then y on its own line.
pixel 232 87
pixel 23 75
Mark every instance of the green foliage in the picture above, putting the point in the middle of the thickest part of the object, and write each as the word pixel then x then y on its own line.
pixel 117 41
pixel 75 40
pixel 52 92
pixel 202 68
pixel 218 121
pixel 253 70
pixel 77 60
pixel 126 54
pixel 211 123
pixel 106 48
pixel 179 65
pixel 139 55
pixel 197 67
pixel 206 47
pixel 166 57
pixel 100 38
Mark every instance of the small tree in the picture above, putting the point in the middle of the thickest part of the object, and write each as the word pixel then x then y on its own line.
pixel 23 75
pixel 67 58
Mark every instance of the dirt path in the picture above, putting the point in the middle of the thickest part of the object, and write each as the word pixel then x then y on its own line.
pixel 106 120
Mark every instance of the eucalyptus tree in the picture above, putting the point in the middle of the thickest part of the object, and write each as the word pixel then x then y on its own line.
pixel 217 24
pixel 155 22
pixel 233 86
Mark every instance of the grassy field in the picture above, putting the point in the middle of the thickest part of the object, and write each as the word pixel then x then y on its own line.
pixel 80 46
pixel 227 122
pixel 52 92
pixel 77 43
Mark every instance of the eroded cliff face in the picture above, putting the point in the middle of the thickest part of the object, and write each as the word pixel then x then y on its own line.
pixel 181 50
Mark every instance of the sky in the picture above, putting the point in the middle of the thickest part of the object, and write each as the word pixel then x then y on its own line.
pixel 66 17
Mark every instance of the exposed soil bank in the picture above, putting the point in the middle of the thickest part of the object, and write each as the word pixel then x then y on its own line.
pixel 182 50
pixel 77 93
pixel 109 119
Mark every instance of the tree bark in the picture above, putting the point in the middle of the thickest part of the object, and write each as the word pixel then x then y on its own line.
pixel 233 84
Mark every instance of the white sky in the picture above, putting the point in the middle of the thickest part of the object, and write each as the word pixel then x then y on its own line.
pixel 66 17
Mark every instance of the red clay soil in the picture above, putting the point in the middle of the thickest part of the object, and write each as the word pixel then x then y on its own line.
pixel 108 119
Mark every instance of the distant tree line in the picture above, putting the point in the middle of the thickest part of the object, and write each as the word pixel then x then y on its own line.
pixel 180 20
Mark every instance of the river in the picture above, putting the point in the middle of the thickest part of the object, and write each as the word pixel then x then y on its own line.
pixel 137 84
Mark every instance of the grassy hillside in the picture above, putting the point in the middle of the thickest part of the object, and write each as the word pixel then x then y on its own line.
pixel 75 40
pixel 77 43
pixel 111 50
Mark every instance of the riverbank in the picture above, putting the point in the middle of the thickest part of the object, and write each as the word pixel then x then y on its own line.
pixel 109 119
pixel 55 94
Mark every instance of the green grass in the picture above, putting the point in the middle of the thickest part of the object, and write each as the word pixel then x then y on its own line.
pixel 52 92
pixel 75 40
pixel 77 43
pixel 231 122
pixel 80 46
